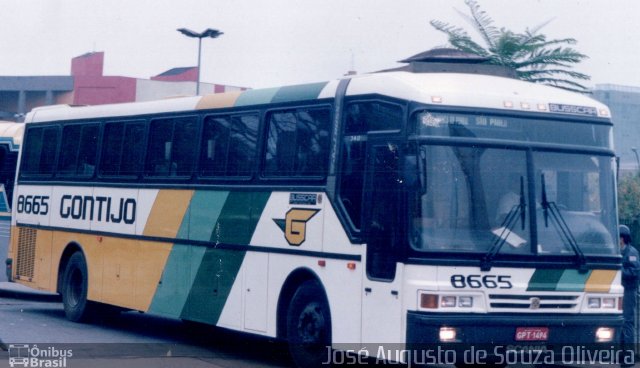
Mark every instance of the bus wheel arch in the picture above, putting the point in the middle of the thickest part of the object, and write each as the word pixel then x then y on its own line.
pixel 304 318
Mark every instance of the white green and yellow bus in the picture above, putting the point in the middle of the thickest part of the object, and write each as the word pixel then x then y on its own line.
pixel 390 209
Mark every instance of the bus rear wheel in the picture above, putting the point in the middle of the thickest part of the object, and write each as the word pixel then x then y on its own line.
pixel 309 326
pixel 74 289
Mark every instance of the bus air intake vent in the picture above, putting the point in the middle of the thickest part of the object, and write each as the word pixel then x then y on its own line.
pixel 532 303
pixel 26 253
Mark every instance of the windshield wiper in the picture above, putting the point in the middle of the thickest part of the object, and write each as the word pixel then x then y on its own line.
pixel 506 226
pixel 550 207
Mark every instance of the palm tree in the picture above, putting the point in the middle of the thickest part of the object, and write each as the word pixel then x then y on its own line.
pixel 530 54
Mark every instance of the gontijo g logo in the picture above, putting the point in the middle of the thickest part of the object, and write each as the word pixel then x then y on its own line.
pixel 294 225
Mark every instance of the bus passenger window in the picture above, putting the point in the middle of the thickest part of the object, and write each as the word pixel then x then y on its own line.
pixel 41 146
pixel 229 145
pixel 298 143
pixel 78 150
pixel 122 150
pixel 69 150
pixel 171 146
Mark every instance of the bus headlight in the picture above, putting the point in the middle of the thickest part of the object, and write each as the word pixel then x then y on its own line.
pixel 597 302
pixel 447 334
pixel 593 303
pixel 465 302
pixel 604 334
pixel 448 301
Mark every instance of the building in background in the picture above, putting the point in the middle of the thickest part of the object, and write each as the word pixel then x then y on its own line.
pixel 87 85
pixel 624 102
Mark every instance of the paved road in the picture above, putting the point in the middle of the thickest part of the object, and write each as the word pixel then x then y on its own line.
pixel 129 340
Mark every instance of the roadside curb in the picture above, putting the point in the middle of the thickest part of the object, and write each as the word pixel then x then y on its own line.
pixel 17 291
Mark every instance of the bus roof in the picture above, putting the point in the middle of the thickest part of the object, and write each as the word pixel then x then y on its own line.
pixel 446 89
pixel 11 134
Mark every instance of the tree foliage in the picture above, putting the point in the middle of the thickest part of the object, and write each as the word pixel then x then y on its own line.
pixel 629 197
pixel 530 54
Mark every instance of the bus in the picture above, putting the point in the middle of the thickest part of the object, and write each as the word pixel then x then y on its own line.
pixel 10 140
pixel 371 214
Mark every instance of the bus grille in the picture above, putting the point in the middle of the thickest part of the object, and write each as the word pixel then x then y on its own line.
pixel 26 253
pixel 534 302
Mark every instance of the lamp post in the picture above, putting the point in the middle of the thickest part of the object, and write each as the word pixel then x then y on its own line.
pixel 207 33
pixel 635 151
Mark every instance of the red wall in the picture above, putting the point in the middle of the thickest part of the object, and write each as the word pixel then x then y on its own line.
pixel 92 88
pixel 103 90
pixel 88 64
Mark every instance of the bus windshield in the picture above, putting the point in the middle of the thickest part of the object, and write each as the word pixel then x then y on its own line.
pixel 475 197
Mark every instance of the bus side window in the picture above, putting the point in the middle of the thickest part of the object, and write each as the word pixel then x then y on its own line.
pixel 41 146
pixel 87 150
pixel 69 150
pixel 229 145
pixel 242 145
pixel 172 148
pixel 298 143
pixel 122 150
pixel 78 150
pixel 361 118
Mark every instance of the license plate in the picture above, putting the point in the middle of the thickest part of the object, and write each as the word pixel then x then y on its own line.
pixel 532 333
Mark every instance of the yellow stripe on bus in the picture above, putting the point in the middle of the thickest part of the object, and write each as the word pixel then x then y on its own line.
pixel 600 281
pixel 152 262
pixel 167 213
pixel 217 100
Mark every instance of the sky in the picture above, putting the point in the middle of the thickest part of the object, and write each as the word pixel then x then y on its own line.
pixel 282 42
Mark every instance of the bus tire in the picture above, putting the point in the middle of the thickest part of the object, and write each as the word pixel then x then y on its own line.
pixel 74 289
pixel 309 326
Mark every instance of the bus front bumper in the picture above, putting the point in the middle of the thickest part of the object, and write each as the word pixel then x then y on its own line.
pixel 517 336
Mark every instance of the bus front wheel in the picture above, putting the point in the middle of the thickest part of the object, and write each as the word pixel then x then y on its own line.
pixel 309 326
pixel 75 287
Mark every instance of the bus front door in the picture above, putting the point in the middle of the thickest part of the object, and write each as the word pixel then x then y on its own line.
pixel 381 299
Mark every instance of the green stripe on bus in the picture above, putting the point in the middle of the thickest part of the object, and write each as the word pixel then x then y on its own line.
pixel 256 97
pixel 239 217
pixel 212 285
pixel 299 92
pixel 184 260
pixel 544 280
pixel 205 209
pixel 572 280
pixel 219 268
pixel 177 278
